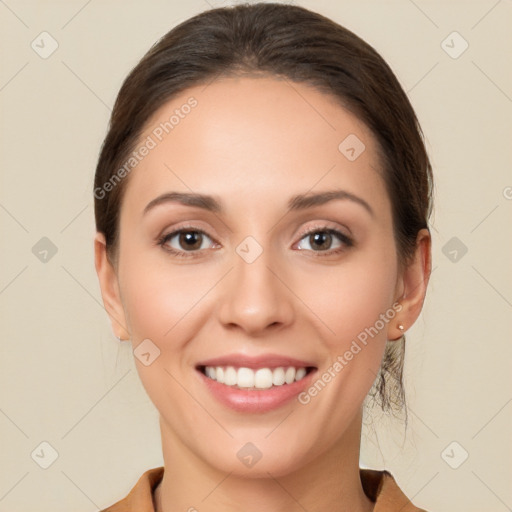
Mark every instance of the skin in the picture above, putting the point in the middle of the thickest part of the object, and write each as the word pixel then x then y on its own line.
pixel 253 143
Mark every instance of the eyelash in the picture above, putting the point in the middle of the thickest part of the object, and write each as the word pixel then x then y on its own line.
pixel 347 241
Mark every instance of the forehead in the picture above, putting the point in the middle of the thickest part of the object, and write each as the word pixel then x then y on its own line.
pixel 255 140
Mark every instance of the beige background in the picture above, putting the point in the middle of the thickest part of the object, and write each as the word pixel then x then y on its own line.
pixel 65 380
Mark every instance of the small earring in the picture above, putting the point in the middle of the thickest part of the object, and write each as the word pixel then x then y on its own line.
pixel 401 327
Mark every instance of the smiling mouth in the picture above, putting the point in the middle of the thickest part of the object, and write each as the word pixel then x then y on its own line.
pixel 255 379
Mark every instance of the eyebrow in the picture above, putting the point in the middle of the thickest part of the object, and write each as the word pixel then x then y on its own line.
pixel 296 203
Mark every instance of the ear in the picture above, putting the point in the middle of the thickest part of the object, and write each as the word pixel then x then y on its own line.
pixel 109 288
pixel 412 285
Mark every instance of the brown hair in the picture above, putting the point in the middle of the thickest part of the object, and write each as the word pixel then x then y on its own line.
pixel 302 46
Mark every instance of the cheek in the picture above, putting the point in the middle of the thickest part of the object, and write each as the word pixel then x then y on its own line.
pixel 355 304
pixel 161 300
pixel 351 297
pixel 159 297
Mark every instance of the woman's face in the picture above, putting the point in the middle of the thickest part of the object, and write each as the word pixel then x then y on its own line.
pixel 246 278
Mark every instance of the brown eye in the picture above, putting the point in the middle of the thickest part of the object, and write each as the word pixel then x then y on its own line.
pixel 322 240
pixel 190 240
pixel 185 241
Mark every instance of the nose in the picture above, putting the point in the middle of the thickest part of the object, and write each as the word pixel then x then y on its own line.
pixel 255 298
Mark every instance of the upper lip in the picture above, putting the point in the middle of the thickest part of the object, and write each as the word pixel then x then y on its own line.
pixel 254 362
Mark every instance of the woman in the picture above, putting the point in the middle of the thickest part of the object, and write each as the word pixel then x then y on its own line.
pixel 262 201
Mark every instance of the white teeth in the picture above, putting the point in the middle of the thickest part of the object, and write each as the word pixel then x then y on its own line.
pixel 278 377
pixel 245 378
pixel 263 378
pixel 230 376
pixel 289 376
pixel 301 372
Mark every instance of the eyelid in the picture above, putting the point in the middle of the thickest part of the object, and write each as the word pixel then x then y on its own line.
pixel 346 241
pixel 327 226
pixel 323 225
pixel 186 229
pixel 306 231
pixel 186 226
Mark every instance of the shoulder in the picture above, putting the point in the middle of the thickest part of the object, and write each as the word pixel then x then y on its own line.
pixel 140 498
pixel 382 488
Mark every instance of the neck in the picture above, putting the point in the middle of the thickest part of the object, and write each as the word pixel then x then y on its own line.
pixel 331 481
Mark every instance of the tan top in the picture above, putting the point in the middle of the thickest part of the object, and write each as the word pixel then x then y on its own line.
pixel 379 486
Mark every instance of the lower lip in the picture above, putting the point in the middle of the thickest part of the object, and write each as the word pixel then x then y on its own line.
pixel 253 400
